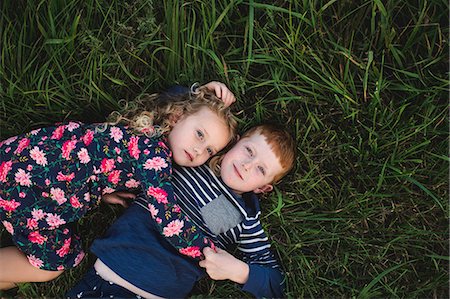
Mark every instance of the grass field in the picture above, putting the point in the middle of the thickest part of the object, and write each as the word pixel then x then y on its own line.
pixel 362 85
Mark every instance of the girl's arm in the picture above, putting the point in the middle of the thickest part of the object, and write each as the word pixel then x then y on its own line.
pixel 154 170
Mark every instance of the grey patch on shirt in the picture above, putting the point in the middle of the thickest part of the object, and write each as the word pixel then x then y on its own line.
pixel 220 215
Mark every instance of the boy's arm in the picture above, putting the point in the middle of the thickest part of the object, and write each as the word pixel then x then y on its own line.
pixel 260 280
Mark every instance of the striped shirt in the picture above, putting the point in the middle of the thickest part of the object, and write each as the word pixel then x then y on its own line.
pixel 197 187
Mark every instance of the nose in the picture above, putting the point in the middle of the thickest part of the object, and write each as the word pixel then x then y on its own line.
pixel 198 150
pixel 246 165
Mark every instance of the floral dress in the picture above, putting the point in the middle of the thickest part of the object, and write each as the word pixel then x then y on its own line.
pixel 50 178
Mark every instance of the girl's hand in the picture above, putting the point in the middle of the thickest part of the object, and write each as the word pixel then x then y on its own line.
pixel 119 197
pixel 221 265
pixel 222 92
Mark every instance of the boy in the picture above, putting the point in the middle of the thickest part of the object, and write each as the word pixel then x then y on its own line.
pixel 135 260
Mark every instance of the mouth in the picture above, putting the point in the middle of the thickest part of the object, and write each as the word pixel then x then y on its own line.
pixel 237 172
pixel 189 156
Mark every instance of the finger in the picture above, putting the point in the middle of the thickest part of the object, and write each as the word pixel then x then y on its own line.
pixel 207 252
pixel 202 264
pixel 128 195
pixel 218 91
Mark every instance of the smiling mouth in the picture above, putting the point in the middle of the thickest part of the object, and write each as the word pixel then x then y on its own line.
pixel 189 156
pixel 237 172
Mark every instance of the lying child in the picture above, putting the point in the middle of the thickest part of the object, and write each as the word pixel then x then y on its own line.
pixel 51 177
pixel 135 260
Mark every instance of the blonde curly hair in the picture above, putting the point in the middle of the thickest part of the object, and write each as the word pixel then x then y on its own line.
pixel 156 114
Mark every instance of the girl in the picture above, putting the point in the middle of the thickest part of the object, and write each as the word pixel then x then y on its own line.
pixel 134 260
pixel 50 177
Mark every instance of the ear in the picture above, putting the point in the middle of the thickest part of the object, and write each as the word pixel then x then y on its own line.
pixel 263 189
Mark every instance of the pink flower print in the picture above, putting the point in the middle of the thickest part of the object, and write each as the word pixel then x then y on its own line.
pixel 5 167
pixel 176 209
pixel 8 141
pixel 107 165
pixel 22 194
pixel 158 220
pixel 117 150
pixel 8 227
pixel 67 147
pixel 54 220
pixel 58 195
pixel 87 197
pixel 58 133
pixel 47 182
pixel 75 202
pixel 45 194
pixel 146 152
pixel 63 177
pixel 159 194
pixel 132 184
pixel 34 261
pixel 9 205
pixel 116 134
pixel 119 160
pixel 83 155
pixel 23 143
pixel 30 167
pixel 114 177
pixel 153 211
pixel 37 214
pixel 60 267
pixel 156 163
pixel 162 145
pixel 39 156
pixel 192 251
pixel 8 149
pixel 72 126
pixel 133 147
pixel 23 178
pixel 31 223
pixel 36 237
pixel 64 250
pixel 108 190
pixel 173 228
pixel 78 259
pixel 35 132
pixel 88 137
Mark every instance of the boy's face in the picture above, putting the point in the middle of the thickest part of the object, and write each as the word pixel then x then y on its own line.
pixel 197 137
pixel 250 165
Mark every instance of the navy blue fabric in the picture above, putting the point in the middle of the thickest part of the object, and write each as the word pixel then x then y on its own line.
pixel 137 252
pixel 93 286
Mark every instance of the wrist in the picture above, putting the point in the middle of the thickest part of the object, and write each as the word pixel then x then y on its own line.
pixel 241 276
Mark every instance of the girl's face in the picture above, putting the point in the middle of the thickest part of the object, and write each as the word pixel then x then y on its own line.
pixel 250 165
pixel 197 137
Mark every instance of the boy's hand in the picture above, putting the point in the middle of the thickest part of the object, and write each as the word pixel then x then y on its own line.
pixel 119 197
pixel 221 265
pixel 222 92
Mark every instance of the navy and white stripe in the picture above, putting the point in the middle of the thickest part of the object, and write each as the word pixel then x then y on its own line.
pixel 196 187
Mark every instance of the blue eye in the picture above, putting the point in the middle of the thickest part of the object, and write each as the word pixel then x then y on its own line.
pixel 200 134
pixel 210 151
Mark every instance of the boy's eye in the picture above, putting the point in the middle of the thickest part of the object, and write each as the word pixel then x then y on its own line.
pixel 210 151
pixel 200 134
pixel 249 151
pixel 262 170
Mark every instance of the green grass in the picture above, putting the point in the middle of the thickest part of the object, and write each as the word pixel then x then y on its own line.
pixel 363 87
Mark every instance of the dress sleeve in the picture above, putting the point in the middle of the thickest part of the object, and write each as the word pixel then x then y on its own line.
pixel 154 170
